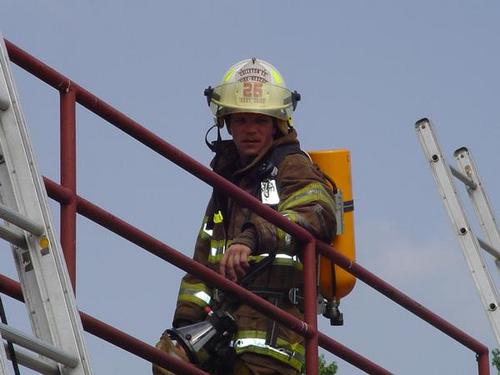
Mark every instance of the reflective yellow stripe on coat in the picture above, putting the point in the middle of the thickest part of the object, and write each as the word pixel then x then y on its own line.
pixel 293 354
pixel 197 293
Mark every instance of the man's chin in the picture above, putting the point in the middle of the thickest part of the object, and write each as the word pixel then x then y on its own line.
pixel 252 155
pixel 247 158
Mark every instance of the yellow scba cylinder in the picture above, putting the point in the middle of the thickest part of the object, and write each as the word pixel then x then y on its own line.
pixel 334 282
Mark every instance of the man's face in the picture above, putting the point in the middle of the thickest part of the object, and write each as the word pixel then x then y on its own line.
pixel 252 133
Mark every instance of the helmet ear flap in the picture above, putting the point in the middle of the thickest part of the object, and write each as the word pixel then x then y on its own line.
pixel 283 126
pixel 224 120
pixel 220 122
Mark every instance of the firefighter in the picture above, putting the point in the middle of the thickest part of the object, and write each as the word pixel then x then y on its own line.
pixel 264 159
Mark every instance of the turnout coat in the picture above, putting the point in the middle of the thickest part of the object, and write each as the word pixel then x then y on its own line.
pixel 305 198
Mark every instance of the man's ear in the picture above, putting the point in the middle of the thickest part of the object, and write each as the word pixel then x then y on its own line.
pixel 276 130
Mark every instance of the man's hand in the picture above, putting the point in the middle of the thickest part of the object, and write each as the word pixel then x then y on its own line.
pixel 234 263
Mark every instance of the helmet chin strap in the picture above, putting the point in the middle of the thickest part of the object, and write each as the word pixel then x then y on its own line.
pixel 213 145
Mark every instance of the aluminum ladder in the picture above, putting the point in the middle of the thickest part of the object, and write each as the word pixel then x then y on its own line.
pixel 471 245
pixel 56 345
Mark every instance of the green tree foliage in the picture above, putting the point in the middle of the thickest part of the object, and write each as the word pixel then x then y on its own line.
pixel 496 359
pixel 324 368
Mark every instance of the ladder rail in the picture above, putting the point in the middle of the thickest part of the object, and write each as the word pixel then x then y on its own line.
pixel 3 357
pixel 468 241
pixel 479 198
pixel 41 267
pixel 11 192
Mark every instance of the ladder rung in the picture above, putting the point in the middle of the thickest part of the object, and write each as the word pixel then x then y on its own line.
pixel 33 363
pixel 12 236
pixel 37 346
pixel 490 249
pixel 21 221
pixel 466 180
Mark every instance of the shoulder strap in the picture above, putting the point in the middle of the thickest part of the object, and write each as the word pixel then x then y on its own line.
pixel 276 156
pixel 280 152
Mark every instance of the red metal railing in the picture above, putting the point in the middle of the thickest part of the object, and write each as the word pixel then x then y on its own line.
pixel 71 204
pixel 68 178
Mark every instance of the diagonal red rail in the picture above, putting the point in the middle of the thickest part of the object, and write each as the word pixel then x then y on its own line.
pixel 165 252
pixel 113 335
pixel 67 196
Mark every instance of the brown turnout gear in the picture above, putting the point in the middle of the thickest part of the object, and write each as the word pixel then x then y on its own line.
pixel 306 199
pixel 168 346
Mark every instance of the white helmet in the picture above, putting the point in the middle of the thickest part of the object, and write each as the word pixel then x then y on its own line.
pixel 253 86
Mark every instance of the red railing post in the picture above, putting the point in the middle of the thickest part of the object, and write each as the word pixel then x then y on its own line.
pixel 68 178
pixel 483 363
pixel 310 306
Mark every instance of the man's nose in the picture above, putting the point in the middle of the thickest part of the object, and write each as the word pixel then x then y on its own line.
pixel 251 127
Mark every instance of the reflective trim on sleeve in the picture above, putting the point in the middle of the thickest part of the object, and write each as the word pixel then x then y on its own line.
pixel 294 217
pixel 209 232
pixel 313 192
pixel 200 299
pixel 252 341
pixel 217 250
pixel 215 258
pixel 204 232
pixel 217 247
pixel 285 241
pixel 197 293
pixel 281 259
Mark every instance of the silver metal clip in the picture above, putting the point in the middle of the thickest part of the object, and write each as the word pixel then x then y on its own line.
pixel 293 296
pixel 339 211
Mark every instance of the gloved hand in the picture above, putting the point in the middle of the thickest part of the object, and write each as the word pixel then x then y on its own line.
pixel 168 346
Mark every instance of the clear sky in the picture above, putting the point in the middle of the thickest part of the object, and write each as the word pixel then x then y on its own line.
pixel 367 71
